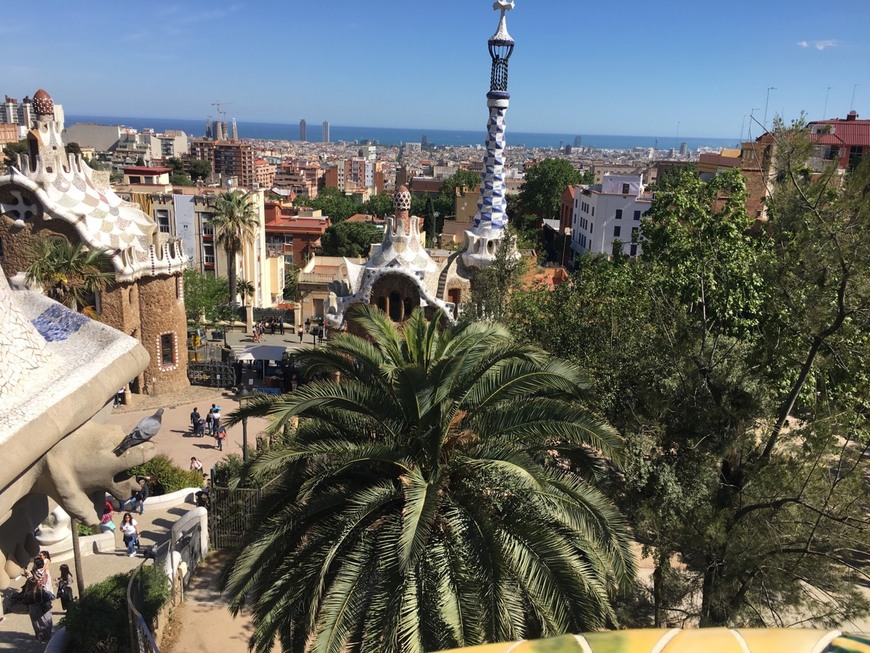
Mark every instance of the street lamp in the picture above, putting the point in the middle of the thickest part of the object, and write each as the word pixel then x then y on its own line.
pixel 568 233
pixel 244 397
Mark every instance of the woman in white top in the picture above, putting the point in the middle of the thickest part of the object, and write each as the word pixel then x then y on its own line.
pixel 130 531
pixel 195 464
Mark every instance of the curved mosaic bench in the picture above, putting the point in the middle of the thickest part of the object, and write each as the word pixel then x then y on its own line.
pixel 708 640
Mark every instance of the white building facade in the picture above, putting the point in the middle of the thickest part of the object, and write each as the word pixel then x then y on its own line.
pixel 607 216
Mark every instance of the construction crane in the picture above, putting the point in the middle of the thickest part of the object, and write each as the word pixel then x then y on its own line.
pixel 218 106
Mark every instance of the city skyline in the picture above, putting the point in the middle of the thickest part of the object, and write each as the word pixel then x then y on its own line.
pixel 648 70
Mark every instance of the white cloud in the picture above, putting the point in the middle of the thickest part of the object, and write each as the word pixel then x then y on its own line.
pixel 820 45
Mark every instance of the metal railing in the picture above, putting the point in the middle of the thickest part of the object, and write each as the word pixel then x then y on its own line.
pixel 141 638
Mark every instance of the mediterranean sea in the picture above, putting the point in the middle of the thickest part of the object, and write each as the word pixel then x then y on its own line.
pixel 396 136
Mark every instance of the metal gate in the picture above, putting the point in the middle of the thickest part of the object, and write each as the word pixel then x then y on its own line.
pixel 230 513
pixel 212 374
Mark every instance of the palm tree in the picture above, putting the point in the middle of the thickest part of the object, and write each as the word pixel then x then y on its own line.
pixel 246 288
pixel 439 495
pixel 71 274
pixel 234 221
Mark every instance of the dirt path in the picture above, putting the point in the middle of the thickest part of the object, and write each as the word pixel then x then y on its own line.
pixel 203 624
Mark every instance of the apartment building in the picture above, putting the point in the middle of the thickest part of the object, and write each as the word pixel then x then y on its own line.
pixel 607 215
pixel 264 173
pixel 185 213
pixel 229 159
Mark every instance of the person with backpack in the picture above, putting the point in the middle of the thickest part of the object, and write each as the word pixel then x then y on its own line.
pixel 64 587
pixel 38 599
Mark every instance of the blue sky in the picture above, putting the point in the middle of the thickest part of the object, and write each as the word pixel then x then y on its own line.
pixel 633 68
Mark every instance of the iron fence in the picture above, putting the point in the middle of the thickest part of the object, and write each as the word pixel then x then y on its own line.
pixel 212 373
pixel 230 513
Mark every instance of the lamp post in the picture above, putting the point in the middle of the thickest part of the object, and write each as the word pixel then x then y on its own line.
pixel 568 233
pixel 244 397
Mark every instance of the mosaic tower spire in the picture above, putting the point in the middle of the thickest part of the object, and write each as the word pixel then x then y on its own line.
pixel 482 240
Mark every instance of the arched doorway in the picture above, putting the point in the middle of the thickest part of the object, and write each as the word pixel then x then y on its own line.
pixel 397 295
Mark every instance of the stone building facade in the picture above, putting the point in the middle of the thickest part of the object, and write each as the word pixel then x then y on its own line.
pixel 48 193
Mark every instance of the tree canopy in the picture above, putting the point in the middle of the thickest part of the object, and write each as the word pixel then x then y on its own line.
pixel 71 274
pixel 352 239
pixel 734 361
pixel 204 296
pixel 333 202
pixel 544 183
pixel 199 169
pixel 442 495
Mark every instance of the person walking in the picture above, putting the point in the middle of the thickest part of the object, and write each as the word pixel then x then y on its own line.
pixel 64 587
pixel 209 420
pixel 38 598
pixel 195 464
pixel 196 423
pixel 107 524
pixel 130 533
pixel 216 417
pixel 220 437
pixel 300 331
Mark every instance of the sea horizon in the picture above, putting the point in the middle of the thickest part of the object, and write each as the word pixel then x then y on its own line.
pixel 392 136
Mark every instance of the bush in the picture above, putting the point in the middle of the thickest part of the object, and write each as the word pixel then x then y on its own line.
pixel 166 476
pixel 97 622
pixel 85 530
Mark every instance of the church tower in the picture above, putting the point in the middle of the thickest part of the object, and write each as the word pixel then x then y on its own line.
pixel 482 240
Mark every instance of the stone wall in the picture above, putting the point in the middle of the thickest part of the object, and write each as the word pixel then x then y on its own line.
pixel 16 241
pixel 161 305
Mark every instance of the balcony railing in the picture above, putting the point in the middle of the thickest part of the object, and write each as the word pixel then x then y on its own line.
pixel 315 278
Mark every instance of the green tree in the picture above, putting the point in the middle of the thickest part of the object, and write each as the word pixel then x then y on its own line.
pixel 71 274
pixel 350 239
pixel 246 288
pixel 12 150
pixel 73 148
pixel 587 177
pixel 735 366
pixel 445 203
pixel 235 223
pixel 199 169
pixel 180 179
pixel 291 282
pixel 380 205
pixel 175 164
pixel 541 192
pixel 332 202
pixel 203 295
pixel 441 495
pixel 492 286
pixel 429 222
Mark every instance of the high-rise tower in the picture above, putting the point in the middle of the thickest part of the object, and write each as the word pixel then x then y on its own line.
pixel 325 131
pixel 482 240
pixel 303 130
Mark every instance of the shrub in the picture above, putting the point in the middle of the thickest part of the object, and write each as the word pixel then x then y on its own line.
pixel 97 622
pixel 85 530
pixel 168 476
